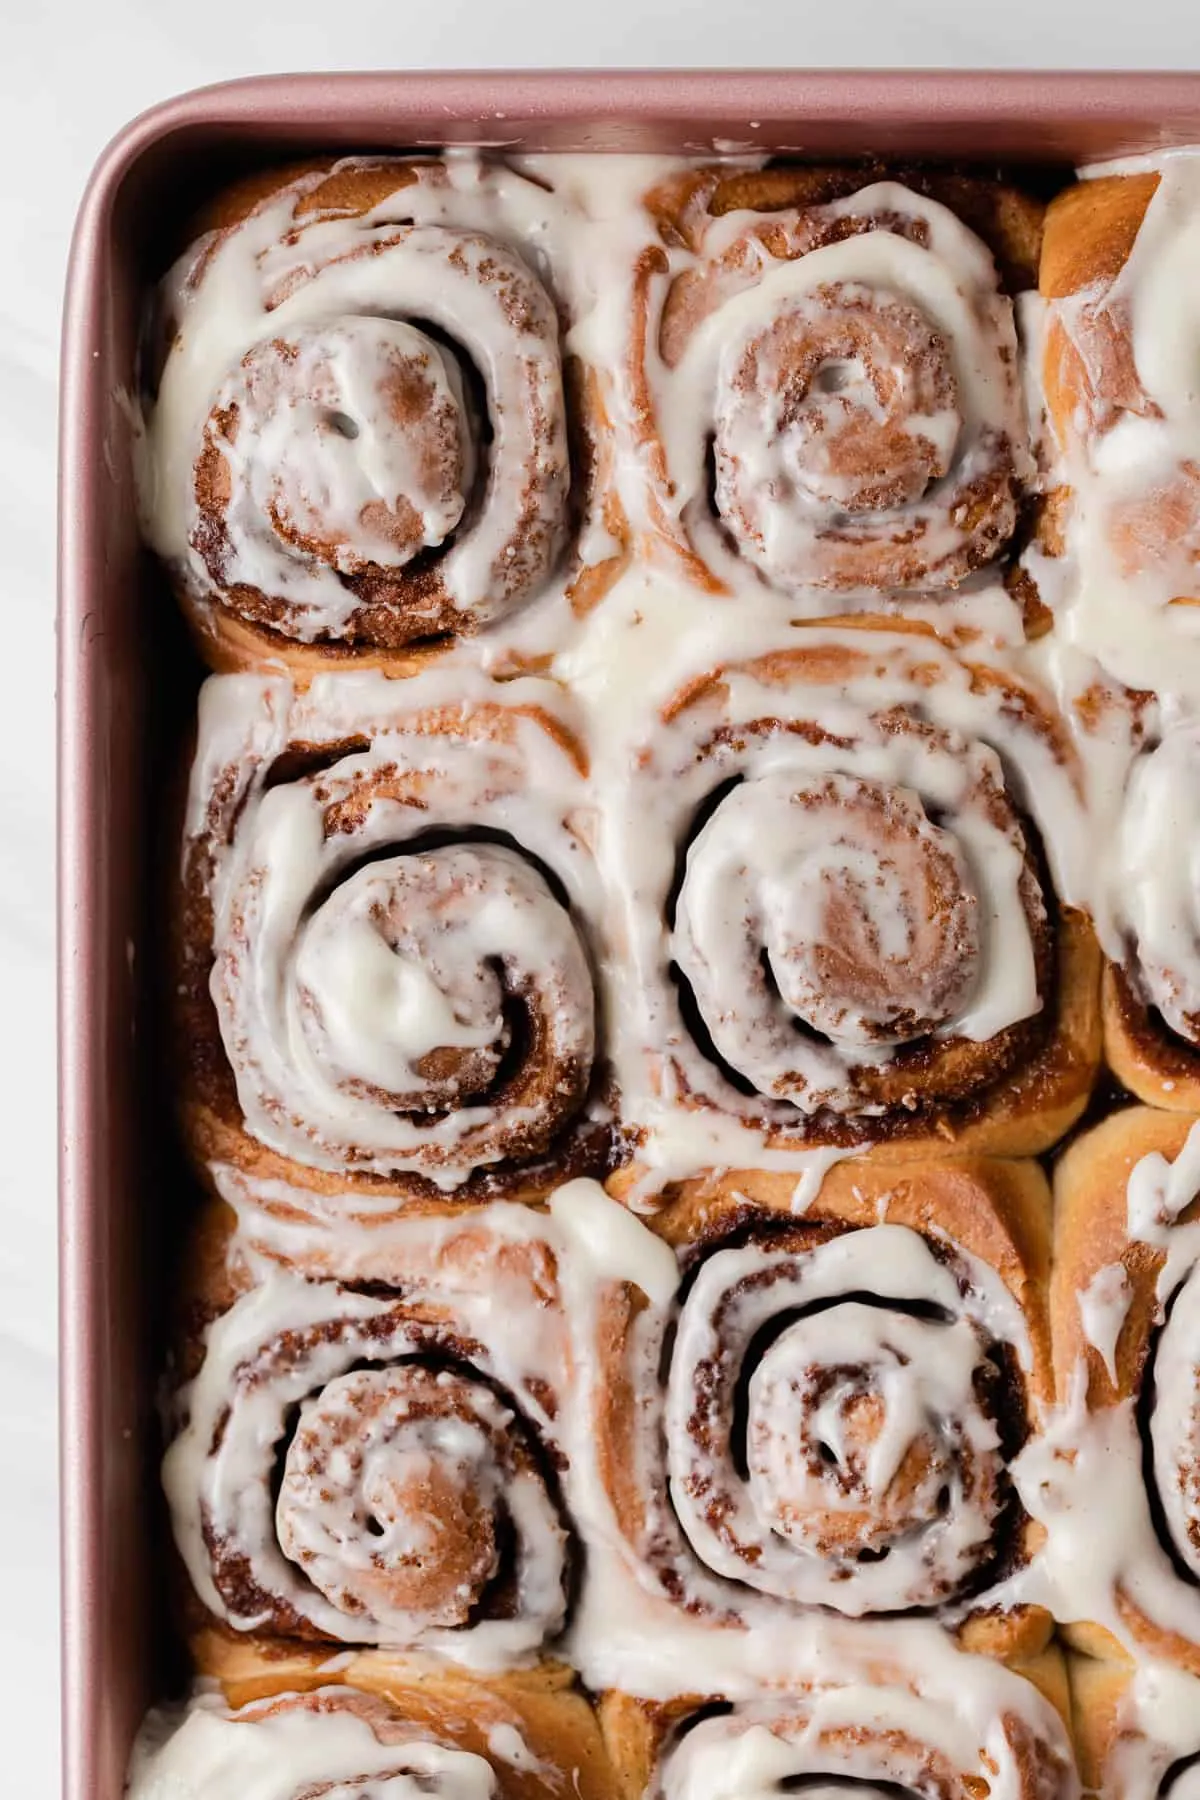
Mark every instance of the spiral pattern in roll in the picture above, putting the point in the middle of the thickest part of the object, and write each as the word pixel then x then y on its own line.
pixel 383 1470
pixel 825 1413
pixel 394 900
pixel 843 923
pixel 860 917
pixel 853 366
pixel 358 435
pixel 866 1473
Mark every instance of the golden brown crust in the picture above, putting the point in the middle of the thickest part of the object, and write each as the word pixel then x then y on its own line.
pixel 1090 229
pixel 552 1716
pixel 359 185
pixel 1142 1051
pixel 1098 1685
pixel 233 646
pixel 1008 220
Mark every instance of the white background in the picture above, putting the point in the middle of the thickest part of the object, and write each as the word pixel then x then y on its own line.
pixel 68 79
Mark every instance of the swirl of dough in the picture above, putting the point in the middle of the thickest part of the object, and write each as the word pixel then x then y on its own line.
pixel 358 435
pixel 384 1470
pixel 389 901
pixel 842 922
pixel 829 1448
pixel 852 366
pixel 859 921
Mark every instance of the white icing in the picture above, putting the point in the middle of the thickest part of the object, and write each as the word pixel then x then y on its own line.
pixel 331 463
pixel 215 1754
pixel 1158 875
pixel 506 1744
pixel 614 1246
pixel 1103 1306
pixel 879 1737
pixel 1158 1727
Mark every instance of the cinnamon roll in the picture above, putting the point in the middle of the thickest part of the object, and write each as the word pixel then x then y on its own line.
pixel 1117 1485
pixel 1118 272
pixel 356 437
pixel 379 1464
pixel 844 928
pixel 826 388
pixel 824 1413
pixel 872 1726
pixel 384 970
pixel 380 1730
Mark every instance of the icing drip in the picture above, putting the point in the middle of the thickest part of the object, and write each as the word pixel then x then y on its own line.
pixel 1103 1306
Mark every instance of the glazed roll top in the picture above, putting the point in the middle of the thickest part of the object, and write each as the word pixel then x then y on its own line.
pixel 845 354
pixel 844 922
pixel 356 437
pixel 381 1464
pixel 386 942
pixel 825 1413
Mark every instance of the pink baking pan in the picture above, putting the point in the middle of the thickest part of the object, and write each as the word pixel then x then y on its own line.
pixel 126 682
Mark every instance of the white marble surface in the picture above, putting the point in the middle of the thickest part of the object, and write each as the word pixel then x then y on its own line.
pixel 68 78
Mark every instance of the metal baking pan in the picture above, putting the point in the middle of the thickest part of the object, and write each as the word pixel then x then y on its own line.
pixel 126 679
